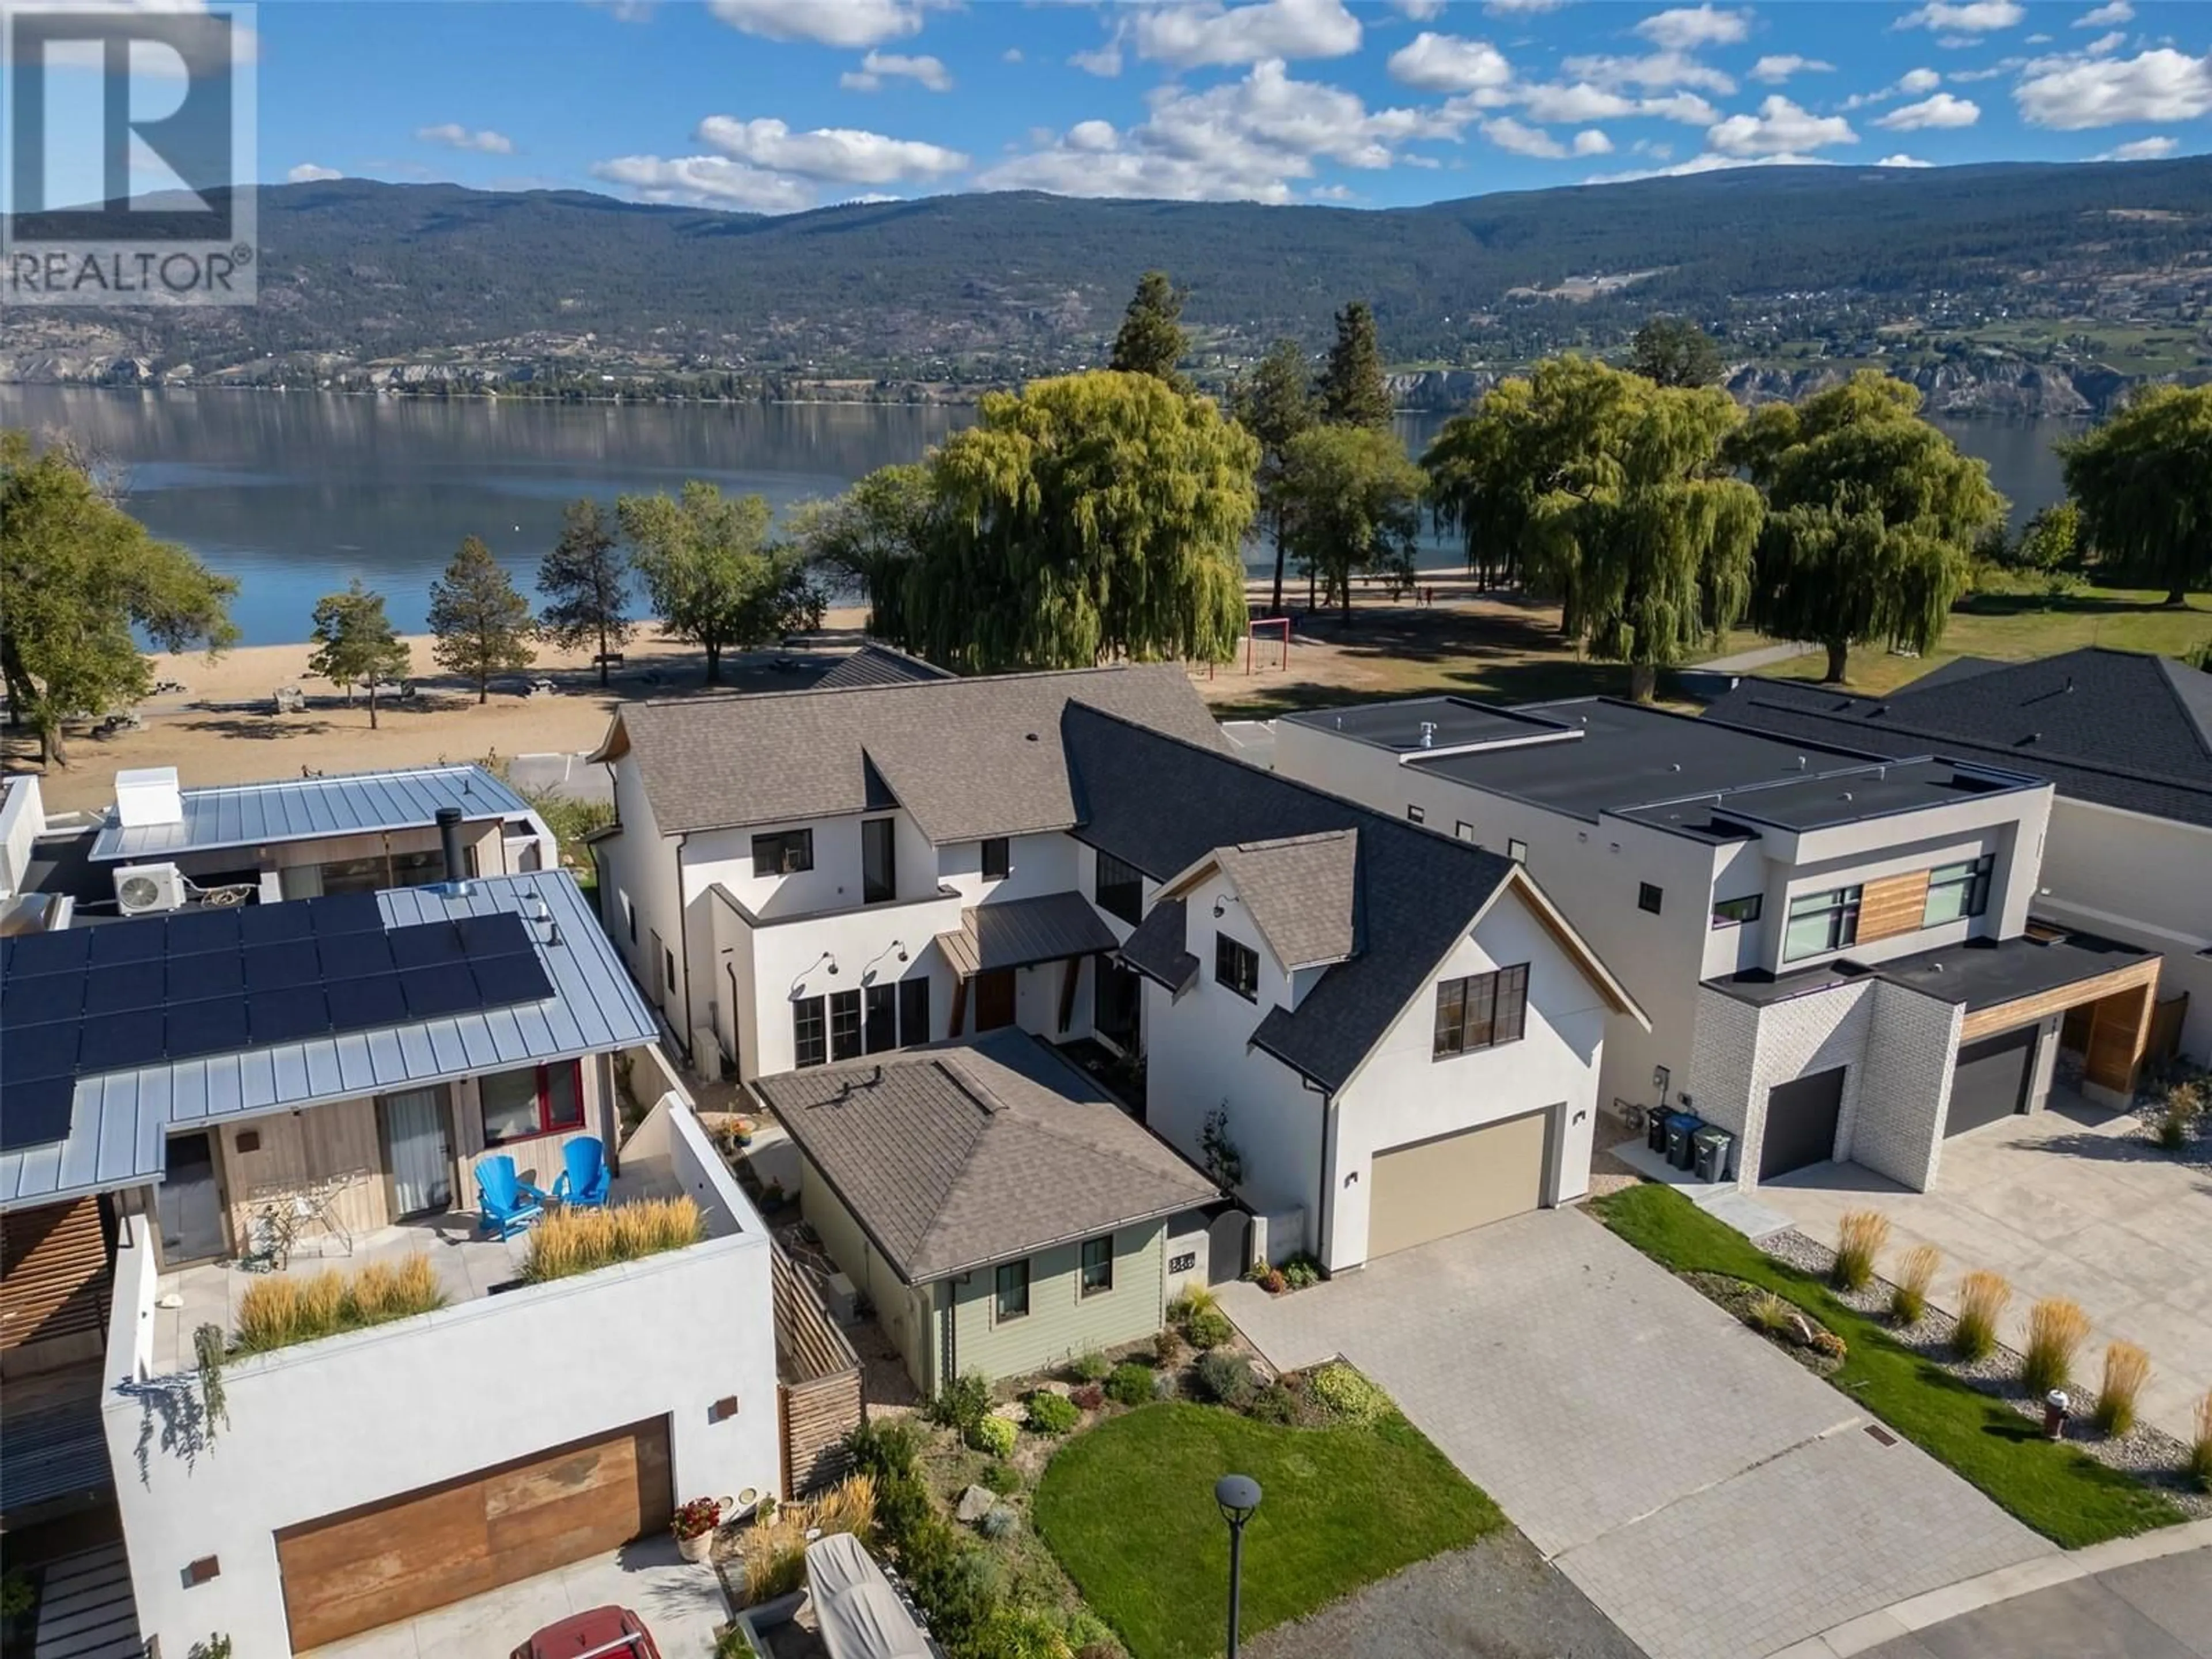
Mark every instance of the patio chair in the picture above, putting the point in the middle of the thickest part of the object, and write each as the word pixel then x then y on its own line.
pixel 507 1202
pixel 584 1183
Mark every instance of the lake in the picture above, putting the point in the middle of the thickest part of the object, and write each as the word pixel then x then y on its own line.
pixel 297 493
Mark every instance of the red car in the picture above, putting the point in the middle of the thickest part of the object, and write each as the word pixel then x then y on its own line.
pixel 602 1633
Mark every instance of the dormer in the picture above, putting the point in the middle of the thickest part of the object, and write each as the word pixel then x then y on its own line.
pixel 1291 901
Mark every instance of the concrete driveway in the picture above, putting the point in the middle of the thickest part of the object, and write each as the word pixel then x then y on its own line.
pixel 1713 1498
pixel 2072 1202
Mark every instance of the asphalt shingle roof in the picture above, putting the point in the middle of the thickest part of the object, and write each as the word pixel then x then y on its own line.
pixel 1155 947
pixel 1299 890
pixel 878 664
pixel 2120 728
pixel 974 1151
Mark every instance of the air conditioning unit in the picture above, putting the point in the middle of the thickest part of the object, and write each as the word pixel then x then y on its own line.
pixel 149 890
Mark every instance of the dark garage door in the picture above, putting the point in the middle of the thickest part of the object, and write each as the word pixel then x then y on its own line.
pixel 1990 1079
pixel 1800 1123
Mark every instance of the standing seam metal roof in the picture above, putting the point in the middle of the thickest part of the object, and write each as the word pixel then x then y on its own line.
pixel 358 803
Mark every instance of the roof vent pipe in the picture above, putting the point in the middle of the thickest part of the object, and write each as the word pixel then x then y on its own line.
pixel 449 839
pixel 1428 734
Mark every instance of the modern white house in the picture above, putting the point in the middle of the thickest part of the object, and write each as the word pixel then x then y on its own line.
pixel 1835 951
pixel 1398 1034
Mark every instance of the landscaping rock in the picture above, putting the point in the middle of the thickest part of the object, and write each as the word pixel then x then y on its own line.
pixel 976 1503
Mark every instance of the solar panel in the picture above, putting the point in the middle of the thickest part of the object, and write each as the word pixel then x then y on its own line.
pixel 345 913
pixel 502 934
pixel 352 956
pixel 425 944
pixel 144 940
pixel 38 1051
pixel 214 1025
pixel 211 974
pixel 289 1015
pixel 444 989
pixel 38 1112
pixel 504 980
pixel 48 996
pixel 361 1005
pixel 281 967
pixel 124 984
pixel 52 953
pixel 191 932
pixel 116 1042
pixel 265 924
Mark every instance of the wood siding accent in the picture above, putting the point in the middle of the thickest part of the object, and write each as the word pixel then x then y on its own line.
pixel 2167 1019
pixel 2119 1028
pixel 1893 905
pixel 297 1148
pixel 2003 1016
pixel 55 1272
pixel 817 1383
pixel 391 1560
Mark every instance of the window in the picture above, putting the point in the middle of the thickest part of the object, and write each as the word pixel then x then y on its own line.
pixel 879 860
pixel 880 1023
pixel 1116 994
pixel 1734 913
pixel 1822 921
pixel 534 1100
pixel 661 979
pixel 844 1025
pixel 1516 850
pixel 1957 891
pixel 1415 814
pixel 668 966
pixel 1236 966
pixel 913 1011
pixel 998 857
pixel 629 915
pixel 785 853
pixel 1097 1265
pixel 1464 830
pixel 1121 889
pixel 1013 1288
pixel 1648 897
pixel 1481 1011
pixel 810 1035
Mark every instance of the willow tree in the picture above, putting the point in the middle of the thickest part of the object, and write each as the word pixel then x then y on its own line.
pixel 1872 517
pixel 2143 482
pixel 1354 507
pixel 1085 517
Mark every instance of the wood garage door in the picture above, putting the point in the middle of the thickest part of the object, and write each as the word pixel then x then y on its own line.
pixel 1433 1188
pixel 1990 1079
pixel 424 1549
pixel 1800 1123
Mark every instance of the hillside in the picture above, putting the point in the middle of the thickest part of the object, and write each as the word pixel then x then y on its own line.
pixel 440 283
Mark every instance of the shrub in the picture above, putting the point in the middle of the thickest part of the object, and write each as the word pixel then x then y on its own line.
pixel 731 1642
pixel 963 1403
pixel 576 1240
pixel 1301 1271
pixel 2127 1368
pixel 1829 1344
pixel 902 1511
pixel 1209 1329
pixel 998 1522
pixel 1085 1629
pixel 1982 1296
pixel 1908 1297
pixel 1091 1367
pixel 1130 1385
pixel 1769 1314
pixel 1168 1347
pixel 2056 1330
pixel 1052 1413
pixel 1860 1236
pixel 1164 1385
pixel 277 1312
pixel 995 1435
pixel 2180 1117
pixel 1090 1397
pixel 1349 1395
pixel 1226 1378
pixel 1003 1477
pixel 1191 1299
pixel 1274 1404
pixel 1274 1281
pixel 2199 1461
pixel 885 1447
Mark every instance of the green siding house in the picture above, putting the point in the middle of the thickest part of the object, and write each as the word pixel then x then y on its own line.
pixel 999 1209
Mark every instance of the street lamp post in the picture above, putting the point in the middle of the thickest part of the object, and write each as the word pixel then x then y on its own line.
pixel 1237 1497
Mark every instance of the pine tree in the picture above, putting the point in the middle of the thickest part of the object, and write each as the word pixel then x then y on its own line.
pixel 1152 341
pixel 1352 392
pixel 586 581
pixel 355 643
pixel 483 625
pixel 1275 406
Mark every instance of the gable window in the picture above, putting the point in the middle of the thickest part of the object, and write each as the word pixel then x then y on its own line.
pixel 1013 1288
pixel 998 857
pixel 1956 891
pixel 844 1025
pixel 1415 814
pixel 1648 897
pixel 784 852
pixel 810 1034
pixel 1236 966
pixel 913 1011
pixel 532 1100
pixel 1481 1011
pixel 1097 1265
pixel 1119 890
pixel 1734 913
pixel 1822 921
pixel 1516 850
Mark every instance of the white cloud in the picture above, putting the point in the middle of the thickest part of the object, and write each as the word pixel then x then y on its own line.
pixel 1685 107
pixel 1683 28
pixel 2118 12
pixel 1901 159
pixel 1990 73
pixel 454 136
pixel 2141 150
pixel 840 154
pixel 2106 44
pixel 1204 32
pixel 1967 17
pixel 1944 110
pixel 1421 11
pixel 1011 55
pixel 1779 67
pixel 1517 139
pixel 310 173
pixel 1916 81
pixel 2159 85
pixel 1104 62
pixel 877 66
pixel 706 180
pixel 1668 69
pixel 1579 102
pixel 624 11
pixel 1449 62
pixel 1780 128
pixel 1708 162
pixel 1591 142
pixel 1520 8
pixel 828 22
pixel 1333 192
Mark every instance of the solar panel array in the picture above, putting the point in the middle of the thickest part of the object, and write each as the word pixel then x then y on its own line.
pixel 91 1000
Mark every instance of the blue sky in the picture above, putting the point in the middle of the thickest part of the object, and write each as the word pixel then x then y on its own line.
pixel 781 104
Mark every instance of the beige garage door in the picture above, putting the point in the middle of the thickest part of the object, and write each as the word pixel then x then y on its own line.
pixel 1433 1188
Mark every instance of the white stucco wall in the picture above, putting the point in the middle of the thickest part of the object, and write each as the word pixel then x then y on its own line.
pixel 22 820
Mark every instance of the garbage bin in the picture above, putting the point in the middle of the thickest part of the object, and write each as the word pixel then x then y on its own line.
pixel 1655 1133
pixel 1712 1147
pixel 1681 1151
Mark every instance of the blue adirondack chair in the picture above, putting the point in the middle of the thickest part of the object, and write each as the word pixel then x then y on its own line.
pixel 509 1204
pixel 585 1181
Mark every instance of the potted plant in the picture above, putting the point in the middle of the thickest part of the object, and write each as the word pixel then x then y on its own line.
pixel 694 1526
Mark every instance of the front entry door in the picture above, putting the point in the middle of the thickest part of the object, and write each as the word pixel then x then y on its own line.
pixel 994 1000
pixel 414 1150
pixel 190 1201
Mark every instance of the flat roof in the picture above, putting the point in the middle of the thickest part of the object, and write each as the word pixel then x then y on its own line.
pixel 1411 724
pixel 301 809
pixel 1823 801
pixel 1980 973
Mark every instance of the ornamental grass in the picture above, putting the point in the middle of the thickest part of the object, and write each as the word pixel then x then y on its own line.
pixel 2127 1368
pixel 1860 1236
pixel 2056 1328
pixel 1983 1298
pixel 280 1311
pixel 1908 1295
pixel 578 1241
pixel 773 1551
pixel 2199 1462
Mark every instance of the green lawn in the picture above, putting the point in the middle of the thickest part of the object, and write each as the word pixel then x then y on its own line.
pixel 1128 1509
pixel 2069 1498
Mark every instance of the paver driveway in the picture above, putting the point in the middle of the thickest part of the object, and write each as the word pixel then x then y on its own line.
pixel 2072 1201
pixel 1715 1500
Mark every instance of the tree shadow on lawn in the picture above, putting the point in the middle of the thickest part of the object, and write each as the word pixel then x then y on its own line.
pixel 2056 605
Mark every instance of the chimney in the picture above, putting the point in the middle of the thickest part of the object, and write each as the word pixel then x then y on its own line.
pixel 449 838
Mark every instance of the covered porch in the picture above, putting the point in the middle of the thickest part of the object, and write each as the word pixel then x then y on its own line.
pixel 1001 955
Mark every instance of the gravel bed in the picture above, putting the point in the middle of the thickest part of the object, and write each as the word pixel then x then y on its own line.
pixel 2151 1454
